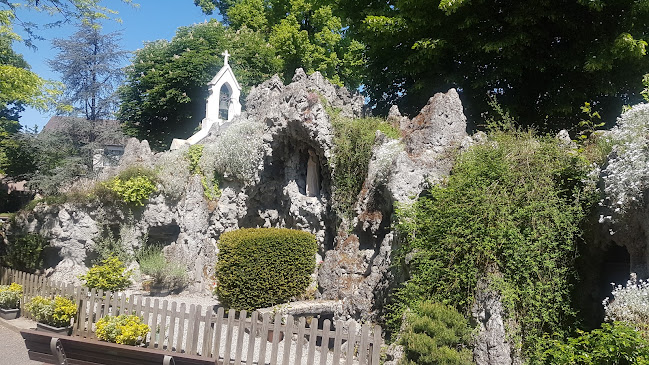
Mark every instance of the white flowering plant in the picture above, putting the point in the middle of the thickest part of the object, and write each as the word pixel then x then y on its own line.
pixel 626 175
pixel 630 304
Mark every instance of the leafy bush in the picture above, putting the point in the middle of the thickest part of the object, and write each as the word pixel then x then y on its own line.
pixel 107 245
pixel 353 142
pixel 55 312
pixel 235 154
pixel 612 344
pixel 513 205
pixel 25 252
pixel 167 274
pixel 173 172
pixel 10 296
pixel 631 305
pixel 435 334
pixel 626 175
pixel 260 267
pixel 134 191
pixel 210 181
pixel 110 275
pixel 123 329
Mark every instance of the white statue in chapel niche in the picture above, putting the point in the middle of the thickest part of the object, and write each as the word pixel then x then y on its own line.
pixel 312 175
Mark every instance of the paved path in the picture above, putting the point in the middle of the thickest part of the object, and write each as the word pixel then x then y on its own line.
pixel 12 347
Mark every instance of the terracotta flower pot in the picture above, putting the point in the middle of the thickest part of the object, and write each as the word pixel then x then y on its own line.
pixel 9 313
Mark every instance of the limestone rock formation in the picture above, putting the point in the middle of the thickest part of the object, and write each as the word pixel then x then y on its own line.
pixel 357 270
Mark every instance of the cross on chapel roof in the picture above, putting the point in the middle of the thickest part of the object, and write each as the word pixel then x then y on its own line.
pixel 225 55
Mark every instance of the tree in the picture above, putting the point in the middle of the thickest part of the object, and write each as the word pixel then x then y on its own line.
pixel 305 33
pixel 165 90
pixel 542 59
pixel 89 63
pixel 18 87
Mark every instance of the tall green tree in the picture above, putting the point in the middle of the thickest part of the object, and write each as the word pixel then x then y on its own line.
pixel 165 90
pixel 543 59
pixel 307 34
pixel 90 66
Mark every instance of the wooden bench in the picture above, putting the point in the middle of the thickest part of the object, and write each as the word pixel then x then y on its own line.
pixel 64 350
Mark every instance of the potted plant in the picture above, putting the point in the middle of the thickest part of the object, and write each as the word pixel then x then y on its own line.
pixel 52 315
pixel 10 300
pixel 123 329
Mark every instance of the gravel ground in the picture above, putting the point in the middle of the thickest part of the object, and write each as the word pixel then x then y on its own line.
pixel 12 345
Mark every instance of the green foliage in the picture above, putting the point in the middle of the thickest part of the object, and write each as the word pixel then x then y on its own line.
pixel 614 343
pixel 90 66
pixel 55 312
pixel 133 186
pixel 123 329
pixel 110 275
pixel 353 142
pixel 435 334
pixel 590 123
pixel 10 296
pixel 25 252
pixel 513 206
pixel 194 154
pixel 261 267
pixel 165 90
pixel 210 184
pixel 304 33
pixel 573 50
pixel 165 273
pixel 107 245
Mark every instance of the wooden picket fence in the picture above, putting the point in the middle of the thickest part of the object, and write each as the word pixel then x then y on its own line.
pixel 239 337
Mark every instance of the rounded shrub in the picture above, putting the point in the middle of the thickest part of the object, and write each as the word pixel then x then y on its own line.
pixel 261 267
pixel 123 329
pixel 111 275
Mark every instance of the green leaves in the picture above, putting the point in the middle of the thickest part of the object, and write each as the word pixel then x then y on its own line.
pixel 261 267
pixel 513 206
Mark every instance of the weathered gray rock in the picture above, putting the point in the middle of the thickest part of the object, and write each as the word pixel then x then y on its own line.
pixel 136 153
pixel 491 346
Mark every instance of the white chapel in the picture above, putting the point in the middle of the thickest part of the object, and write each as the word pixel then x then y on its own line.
pixel 222 103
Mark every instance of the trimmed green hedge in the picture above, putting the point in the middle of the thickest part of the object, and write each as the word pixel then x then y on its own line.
pixel 261 267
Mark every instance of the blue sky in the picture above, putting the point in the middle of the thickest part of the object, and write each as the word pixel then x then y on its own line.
pixel 152 20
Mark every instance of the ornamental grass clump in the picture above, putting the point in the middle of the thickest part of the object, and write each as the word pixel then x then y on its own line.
pixel 123 329
pixel 261 267
pixel 111 274
pixel 55 312
pixel 10 296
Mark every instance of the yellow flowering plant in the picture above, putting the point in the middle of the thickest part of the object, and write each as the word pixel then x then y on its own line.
pixel 55 312
pixel 123 329
pixel 10 295
pixel 111 275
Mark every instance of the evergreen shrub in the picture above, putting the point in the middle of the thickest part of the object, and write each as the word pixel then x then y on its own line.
pixel 110 275
pixel 435 334
pixel 123 329
pixel 25 252
pixel 55 312
pixel 10 295
pixel 261 267
pixel 513 205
